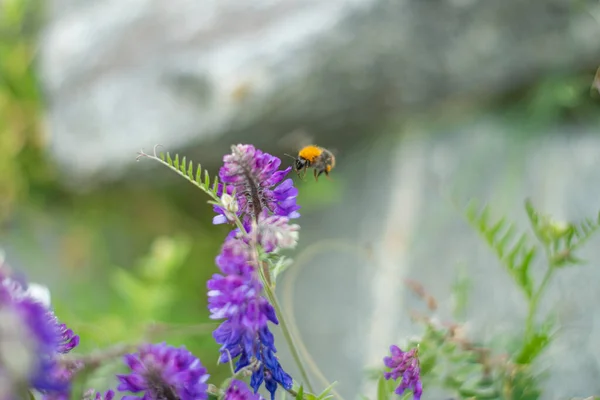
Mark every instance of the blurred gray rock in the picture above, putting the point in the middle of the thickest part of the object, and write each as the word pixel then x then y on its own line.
pixel 119 76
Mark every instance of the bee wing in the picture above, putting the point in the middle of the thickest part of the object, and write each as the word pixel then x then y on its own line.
pixel 296 139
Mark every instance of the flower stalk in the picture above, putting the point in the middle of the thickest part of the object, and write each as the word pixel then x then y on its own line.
pixel 286 332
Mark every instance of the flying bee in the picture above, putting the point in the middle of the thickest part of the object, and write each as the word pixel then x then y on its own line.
pixel 312 156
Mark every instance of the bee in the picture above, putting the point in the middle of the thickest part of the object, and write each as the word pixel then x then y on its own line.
pixel 312 156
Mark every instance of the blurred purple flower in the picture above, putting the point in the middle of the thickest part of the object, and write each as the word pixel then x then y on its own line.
pixel 405 365
pixel 31 338
pixel 63 372
pixel 159 371
pixel 236 297
pixel 92 394
pixel 259 186
pixel 109 395
pixel 68 340
pixel 238 390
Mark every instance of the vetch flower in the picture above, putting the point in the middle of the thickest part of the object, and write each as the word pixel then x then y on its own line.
pixel 259 185
pixel 405 365
pixel 94 395
pixel 275 232
pixel 109 395
pixel 159 371
pixel 236 297
pixel 230 206
pixel 238 390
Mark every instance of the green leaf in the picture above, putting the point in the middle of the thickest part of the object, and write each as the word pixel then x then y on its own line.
pixel 584 231
pixel 190 171
pixel 487 392
pixel 187 171
pixel 517 257
pixel 533 348
pixel 475 387
pixel 300 394
pixel 167 254
pixel 325 393
pixel 460 292
pixel 561 239
pixel 522 385
pixel 282 264
pixel 382 389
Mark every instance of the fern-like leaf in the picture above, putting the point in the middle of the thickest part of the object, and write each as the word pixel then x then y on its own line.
pixel 516 256
pixel 561 240
pixel 187 171
pixel 581 232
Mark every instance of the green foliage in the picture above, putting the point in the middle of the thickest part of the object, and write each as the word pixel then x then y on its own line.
pixel 186 170
pixel 460 292
pixel 302 394
pixel 558 240
pixel 24 170
pixel 150 294
pixel 473 371
pixel 461 367
pixel 561 239
pixel 535 342
pixel 520 383
pixel 383 390
pixel 516 254
pixel 550 101
pixel 326 394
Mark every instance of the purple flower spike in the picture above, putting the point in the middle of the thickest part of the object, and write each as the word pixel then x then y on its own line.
pixel 238 390
pixel 236 297
pixel 160 371
pixel 259 186
pixel 405 365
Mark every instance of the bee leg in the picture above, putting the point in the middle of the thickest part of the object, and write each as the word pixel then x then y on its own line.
pixel 316 175
pixel 327 176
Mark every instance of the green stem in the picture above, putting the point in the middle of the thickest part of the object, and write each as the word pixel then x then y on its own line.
pixel 286 331
pixel 533 304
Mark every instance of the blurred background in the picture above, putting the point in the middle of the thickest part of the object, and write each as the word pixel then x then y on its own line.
pixel 426 104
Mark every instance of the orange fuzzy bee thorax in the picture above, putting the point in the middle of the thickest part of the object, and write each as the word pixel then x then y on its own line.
pixel 310 153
